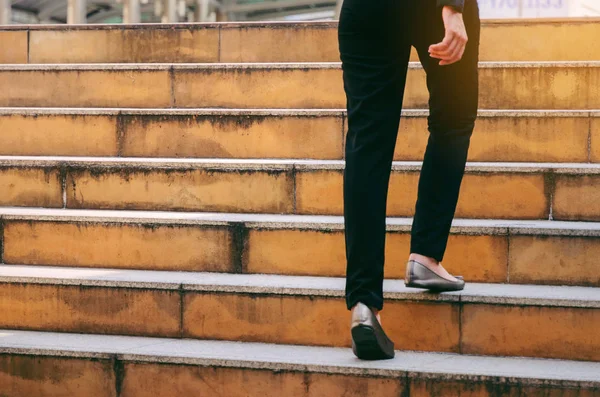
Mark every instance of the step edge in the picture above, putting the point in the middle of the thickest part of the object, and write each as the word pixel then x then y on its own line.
pixel 274 112
pixel 291 222
pixel 267 66
pixel 274 24
pixel 113 164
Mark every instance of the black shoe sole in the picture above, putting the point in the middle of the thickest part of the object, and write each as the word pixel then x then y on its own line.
pixel 367 346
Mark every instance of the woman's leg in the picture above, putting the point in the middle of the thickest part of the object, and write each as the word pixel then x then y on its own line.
pixel 453 109
pixel 374 52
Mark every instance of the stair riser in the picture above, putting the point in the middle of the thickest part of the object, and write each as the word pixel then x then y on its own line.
pixel 511 87
pixel 470 328
pixel 464 328
pixel 488 196
pixel 483 256
pixel 16 52
pixel 484 195
pixel 87 88
pixel 145 246
pixel 452 389
pixel 38 375
pixel 237 382
pixel 117 311
pixel 35 187
pixel 274 43
pixel 496 138
pixel 67 135
pixel 104 377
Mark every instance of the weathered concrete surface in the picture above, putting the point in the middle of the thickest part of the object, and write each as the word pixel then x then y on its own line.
pixel 503 85
pixel 180 365
pixel 572 40
pixel 525 136
pixel 560 321
pixel 501 251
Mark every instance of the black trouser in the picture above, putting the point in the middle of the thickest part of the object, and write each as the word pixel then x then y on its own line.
pixel 375 38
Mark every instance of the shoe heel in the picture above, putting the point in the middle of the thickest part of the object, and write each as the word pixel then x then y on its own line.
pixel 366 346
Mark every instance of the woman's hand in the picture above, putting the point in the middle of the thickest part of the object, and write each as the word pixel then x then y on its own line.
pixel 452 48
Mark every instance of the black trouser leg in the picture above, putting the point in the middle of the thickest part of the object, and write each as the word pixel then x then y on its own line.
pixel 375 39
pixel 374 61
pixel 453 102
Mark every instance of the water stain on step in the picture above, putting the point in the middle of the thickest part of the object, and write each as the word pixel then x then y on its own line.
pixel 48 369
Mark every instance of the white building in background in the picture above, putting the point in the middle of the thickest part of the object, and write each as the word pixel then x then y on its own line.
pixel 585 8
pixel 491 9
pixel 116 11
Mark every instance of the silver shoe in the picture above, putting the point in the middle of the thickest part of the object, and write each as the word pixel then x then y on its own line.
pixel 420 276
pixel 369 341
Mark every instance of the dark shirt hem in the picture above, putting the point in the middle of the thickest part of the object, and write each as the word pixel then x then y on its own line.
pixel 456 4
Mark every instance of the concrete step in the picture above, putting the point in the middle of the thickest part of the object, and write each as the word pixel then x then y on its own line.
pixel 504 85
pixel 107 366
pixel 512 40
pixel 532 321
pixel 304 187
pixel 520 136
pixel 489 251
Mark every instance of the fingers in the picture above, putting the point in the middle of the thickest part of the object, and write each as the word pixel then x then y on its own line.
pixel 451 49
pixel 458 57
pixel 443 46
pixel 455 55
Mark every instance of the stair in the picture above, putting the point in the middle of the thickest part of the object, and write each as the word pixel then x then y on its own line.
pixel 272 42
pixel 288 309
pixel 503 85
pixel 498 251
pixel 138 366
pixel 305 187
pixel 508 136
pixel 170 222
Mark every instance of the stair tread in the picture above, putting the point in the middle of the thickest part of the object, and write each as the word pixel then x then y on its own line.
pixel 276 221
pixel 274 24
pixel 441 366
pixel 509 294
pixel 282 164
pixel 277 112
pixel 269 65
